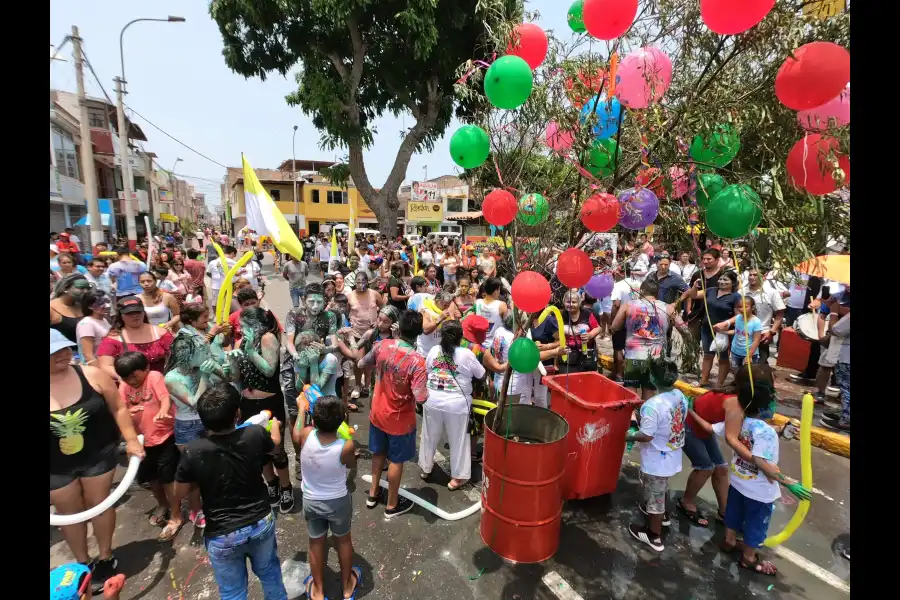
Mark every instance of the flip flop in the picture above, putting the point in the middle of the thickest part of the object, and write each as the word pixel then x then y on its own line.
pixel 358 572
pixel 306 584
pixel 453 488
pixel 760 566
pixel 694 516
pixel 168 534
pixel 158 520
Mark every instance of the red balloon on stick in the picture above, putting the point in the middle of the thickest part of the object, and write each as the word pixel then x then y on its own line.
pixel 499 208
pixel 608 19
pixel 574 268
pixel 530 291
pixel 529 42
pixel 811 165
pixel 600 212
pixel 817 72
pixel 728 17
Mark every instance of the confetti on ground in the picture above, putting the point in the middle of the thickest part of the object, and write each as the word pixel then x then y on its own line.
pixel 474 577
pixel 769 589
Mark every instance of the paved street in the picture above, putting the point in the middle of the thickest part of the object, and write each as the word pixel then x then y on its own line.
pixel 421 556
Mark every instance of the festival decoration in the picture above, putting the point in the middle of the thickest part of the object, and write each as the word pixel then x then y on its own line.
pixel 558 139
pixel 652 179
pixel 717 148
pixel 708 185
pixel 470 146
pixel 533 209
pixel 816 165
pixel 574 268
pixel 814 74
pixel 678 178
pixel 608 111
pixel 727 17
pixel 643 77
pixel 600 286
pixel 524 355
pixel 834 113
pixel 223 306
pixel 638 208
pixel 584 87
pixel 499 208
pixel 608 19
pixel 576 16
pixel 508 81
pixel 602 158
pixel 529 42
pixel 600 212
pixel 530 291
pixel 734 212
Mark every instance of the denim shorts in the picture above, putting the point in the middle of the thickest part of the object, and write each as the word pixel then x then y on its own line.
pixel 188 431
pixel 398 448
pixel 743 514
pixel 737 361
pixel 321 515
pixel 705 455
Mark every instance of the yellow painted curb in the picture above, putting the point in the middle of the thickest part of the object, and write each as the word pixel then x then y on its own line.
pixel 821 438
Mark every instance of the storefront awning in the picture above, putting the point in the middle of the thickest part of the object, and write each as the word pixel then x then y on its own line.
pixel 103 205
pixel 466 216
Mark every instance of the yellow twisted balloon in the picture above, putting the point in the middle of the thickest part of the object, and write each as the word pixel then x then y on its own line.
pixel 552 310
pixel 806 417
pixel 223 302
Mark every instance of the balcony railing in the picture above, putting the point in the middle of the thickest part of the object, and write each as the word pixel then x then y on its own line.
pixel 69 190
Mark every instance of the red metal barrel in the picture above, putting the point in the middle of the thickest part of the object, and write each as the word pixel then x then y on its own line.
pixel 522 491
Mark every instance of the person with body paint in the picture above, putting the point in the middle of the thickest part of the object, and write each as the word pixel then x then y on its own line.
pixel 65 307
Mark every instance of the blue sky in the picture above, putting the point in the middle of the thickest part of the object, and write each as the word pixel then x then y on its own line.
pixel 177 78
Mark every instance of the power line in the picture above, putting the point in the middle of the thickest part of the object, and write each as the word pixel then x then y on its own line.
pixel 167 134
pixel 219 181
pixel 91 68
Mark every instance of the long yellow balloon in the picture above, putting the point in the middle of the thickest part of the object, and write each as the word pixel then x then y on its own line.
pixel 552 310
pixel 223 308
pixel 806 417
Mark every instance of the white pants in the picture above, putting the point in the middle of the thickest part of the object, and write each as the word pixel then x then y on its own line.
pixel 434 422
pixel 541 394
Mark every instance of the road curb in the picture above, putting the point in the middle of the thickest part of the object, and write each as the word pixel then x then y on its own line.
pixel 821 438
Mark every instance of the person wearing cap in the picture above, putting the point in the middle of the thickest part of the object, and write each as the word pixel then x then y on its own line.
pixel 87 417
pixel 66 245
pixel 134 333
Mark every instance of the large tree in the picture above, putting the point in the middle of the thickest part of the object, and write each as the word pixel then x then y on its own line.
pixel 358 59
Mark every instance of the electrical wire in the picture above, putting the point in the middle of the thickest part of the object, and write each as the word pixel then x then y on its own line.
pixel 173 138
pixel 97 79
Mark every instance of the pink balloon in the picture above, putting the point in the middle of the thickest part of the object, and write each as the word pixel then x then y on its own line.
pixel 820 118
pixel 558 139
pixel 643 77
pixel 679 179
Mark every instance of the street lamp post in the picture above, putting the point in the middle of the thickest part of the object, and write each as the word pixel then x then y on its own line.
pixel 175 185
pixel 294 180
pixel 127 178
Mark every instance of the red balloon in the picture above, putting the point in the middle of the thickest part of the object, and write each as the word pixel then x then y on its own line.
pixel 816 172
pixel 818 72
pixel 728 17
pixel 600 212
pixel 499 208
pixel 608 19
pixel 529 42
pixel 530 291
pixel 574 268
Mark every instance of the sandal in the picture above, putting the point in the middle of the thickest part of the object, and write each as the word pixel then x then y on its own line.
pixel 158 519
pixel 759 566
pixel 169 532
pixel 453 488
pixel 352 407
pixel 694 516
pixel 358 573
pixel 307 585
pixel 737 547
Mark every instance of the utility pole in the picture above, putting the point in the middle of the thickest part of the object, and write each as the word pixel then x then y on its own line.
pixel 294 180
pixel 127 181
pixel 87 153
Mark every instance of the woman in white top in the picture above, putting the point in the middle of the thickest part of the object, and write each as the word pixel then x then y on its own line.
pixel 94 326
pixel 432 321
pixel 450 373
pixel 491 307
pixel 161 307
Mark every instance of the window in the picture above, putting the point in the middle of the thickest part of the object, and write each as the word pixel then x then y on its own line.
pixel 66 153
pixel 336 197
pixel 275 194
pixel 97 117
pixel 315 199
pixel 450 228
pixel 454 204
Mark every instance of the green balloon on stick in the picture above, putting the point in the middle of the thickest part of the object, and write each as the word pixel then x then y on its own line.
pixel 576 17
pixel 603 157
pixel 470 146
pixel 524 355
pixel 708 185
pixel 508 81
pixel 717 148
pixel 734 212
pixel 533 209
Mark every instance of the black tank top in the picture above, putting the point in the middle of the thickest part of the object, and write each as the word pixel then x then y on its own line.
pixel 66 326
pixel 254 379
pixel 78 433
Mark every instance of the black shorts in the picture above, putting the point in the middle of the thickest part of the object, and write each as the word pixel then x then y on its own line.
pixel 160 462
pixel 104 462
pixel 618 340
pixel 275 405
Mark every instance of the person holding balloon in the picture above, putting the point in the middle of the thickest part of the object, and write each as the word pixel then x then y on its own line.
pixel 581 329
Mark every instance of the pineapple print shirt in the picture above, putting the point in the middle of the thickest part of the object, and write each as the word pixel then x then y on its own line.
pixel 81 433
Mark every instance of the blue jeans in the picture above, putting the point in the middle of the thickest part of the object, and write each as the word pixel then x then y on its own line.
pixel 296 295
pixel 228 556
pixel 842 374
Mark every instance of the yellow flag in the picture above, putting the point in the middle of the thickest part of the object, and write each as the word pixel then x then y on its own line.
pixel 334 247
pixel 264 217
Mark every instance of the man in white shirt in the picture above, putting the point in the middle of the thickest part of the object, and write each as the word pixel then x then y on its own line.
pixel 216 271
pixel 323 252
pixel 624 291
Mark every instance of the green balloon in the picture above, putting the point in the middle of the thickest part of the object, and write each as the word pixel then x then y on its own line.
pixel 533 209
pixel 734 212
pixel 524 355
pixel 576 16
pixel 717 148
pixel 603 157
pixel 470 146
pixel 708 185
pixel 507 83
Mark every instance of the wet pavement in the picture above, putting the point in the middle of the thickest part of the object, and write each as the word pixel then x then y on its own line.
pixel 418 555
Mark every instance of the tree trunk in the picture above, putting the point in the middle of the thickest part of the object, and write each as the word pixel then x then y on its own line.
pixel 386 212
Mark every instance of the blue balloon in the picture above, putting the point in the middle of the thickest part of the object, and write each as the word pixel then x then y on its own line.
pixel 608 113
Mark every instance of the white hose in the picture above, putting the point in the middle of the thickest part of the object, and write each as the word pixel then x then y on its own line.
pixel 58 520
pixel 428 505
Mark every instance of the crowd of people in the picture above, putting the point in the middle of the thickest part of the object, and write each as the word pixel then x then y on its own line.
pixel 134 350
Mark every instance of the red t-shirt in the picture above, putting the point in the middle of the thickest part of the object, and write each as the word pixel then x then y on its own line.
pixel 197 271
pixel 143 404
pixel 155 351
pixel 400 378
pixel 711 408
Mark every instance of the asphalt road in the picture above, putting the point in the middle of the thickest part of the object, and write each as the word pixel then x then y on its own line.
pixel 418 555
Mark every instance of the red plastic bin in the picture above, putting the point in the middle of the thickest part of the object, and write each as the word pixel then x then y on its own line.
pixel 598 411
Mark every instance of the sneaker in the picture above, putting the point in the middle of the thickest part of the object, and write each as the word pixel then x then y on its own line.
pixel 835 424
pixel 354 395
pixel 272 488
pixel 643 534
pixel 667 521
pixel 800 380
pixel 286 503
pixel 403 506
pixel 101 571
pixel 833 391
pixel 833 413
pixel 198 519
pixel 372 501
pixel 819 397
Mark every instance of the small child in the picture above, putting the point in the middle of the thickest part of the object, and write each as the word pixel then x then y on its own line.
pixel 327 503
pixel 741 332
pixel 145 395
pixel 754 470
pixel 661 432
